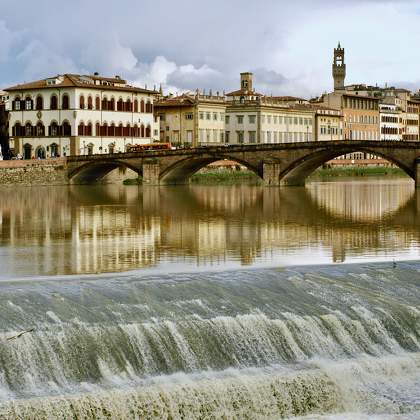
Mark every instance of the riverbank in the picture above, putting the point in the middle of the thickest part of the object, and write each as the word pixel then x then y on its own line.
pixel 349 171
pixel 229 177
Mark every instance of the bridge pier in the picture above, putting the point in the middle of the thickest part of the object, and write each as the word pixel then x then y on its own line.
pixel 271 174
pixel 417 172
pixel 151 173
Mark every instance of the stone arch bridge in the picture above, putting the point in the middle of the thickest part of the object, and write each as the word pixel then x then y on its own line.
pixel 276 164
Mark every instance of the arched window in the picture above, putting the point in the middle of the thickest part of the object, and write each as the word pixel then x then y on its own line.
pixel 128 107
pixel 120 105
pixel 126 131
pixel 81 129
pixel 111 130
pixel 40 129
pixel 88 129
pixel 90 102
pixel 39 104
pixel 148 131
pixel 111 148
pixel 28 129
pixel 90 149
pixel 98 103
pixel 53 129
pixel 16 104
pixel 119 132
pixel 65 103
pixel 136 130
pixel 136 106
pixel 112 104
pixel 97 129
pixel 105 129
pixel 53 102
pixel 17 130
pixel 66 128
pixel 104 104
pixel 148 106
pixel 29 105
pixel 142 131
pixel 82 102
pixel 142 106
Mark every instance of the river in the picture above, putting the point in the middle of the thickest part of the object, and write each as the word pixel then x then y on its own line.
pixel 211 302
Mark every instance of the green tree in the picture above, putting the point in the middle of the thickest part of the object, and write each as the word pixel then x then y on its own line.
pixel 4 133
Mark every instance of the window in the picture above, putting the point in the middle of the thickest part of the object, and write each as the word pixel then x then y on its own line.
pixel 227 119
pixel 28 104
pixel 295 121
pixel 252 136
pixel 268 119
pixel 189 116
pixel 53 102
pixel 90 102
pixel 201 115
pixel 97 103
pixel 240 135
pixel 227 136
pixel 251 119
pixel 240 119
pixel 275 119
pixel 82 102
pixel 215 116
pixel 28 130
pixel 65 102
pixel 208 116
pixel 16 104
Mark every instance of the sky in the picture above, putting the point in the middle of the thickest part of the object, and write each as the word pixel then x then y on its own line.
pixel 190 44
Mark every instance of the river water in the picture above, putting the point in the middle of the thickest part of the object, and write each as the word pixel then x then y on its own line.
pixel 211 302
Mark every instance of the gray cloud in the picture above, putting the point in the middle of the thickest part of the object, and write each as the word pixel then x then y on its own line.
pixel 192 43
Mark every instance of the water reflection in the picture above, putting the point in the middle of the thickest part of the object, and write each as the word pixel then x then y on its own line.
pixel 64 230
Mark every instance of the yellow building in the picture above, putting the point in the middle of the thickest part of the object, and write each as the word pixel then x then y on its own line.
pixel 192 120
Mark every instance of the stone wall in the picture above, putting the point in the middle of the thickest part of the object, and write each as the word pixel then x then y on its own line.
pixel 33 172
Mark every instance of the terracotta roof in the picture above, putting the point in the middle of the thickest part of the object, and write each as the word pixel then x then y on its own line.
pixel 243 92
pixel 288 98
pixel 182 100
pixel 81 81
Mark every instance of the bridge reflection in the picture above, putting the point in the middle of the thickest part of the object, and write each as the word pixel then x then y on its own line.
pixel 94 229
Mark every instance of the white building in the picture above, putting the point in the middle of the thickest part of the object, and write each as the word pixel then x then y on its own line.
pixel 391 120
pixel 255 118
pixel 76 115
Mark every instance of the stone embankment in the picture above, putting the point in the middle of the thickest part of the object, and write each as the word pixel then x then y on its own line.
pixel 34 172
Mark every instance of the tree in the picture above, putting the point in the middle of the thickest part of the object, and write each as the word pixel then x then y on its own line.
pixel 4 133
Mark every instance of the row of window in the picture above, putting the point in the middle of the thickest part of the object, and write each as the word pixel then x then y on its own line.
pixel 359 103
pixel 273 119
pixel 391 130
pixel 268 137
pixel 54 130
pixel 106 105
pixel 330 130
pixel 215 116
pixel 364 135
pixel 211 136
pixel 387 119
pixel 363 119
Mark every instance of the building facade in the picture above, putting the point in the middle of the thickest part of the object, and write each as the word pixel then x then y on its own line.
pixel 192 120
pixel 254 118
pixel 78 115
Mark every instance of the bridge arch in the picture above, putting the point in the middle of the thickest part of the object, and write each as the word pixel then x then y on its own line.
pixel 181 171
pixel 93 172
pixel 297 171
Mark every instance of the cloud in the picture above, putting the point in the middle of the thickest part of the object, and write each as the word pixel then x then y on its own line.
pixel 191 44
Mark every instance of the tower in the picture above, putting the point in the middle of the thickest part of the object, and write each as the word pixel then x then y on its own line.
pixel 246 81
pixel 339 68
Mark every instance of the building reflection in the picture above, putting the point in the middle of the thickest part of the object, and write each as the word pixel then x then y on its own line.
pixel 109 228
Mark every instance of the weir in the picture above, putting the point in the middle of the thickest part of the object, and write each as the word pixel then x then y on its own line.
pixel 184 345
